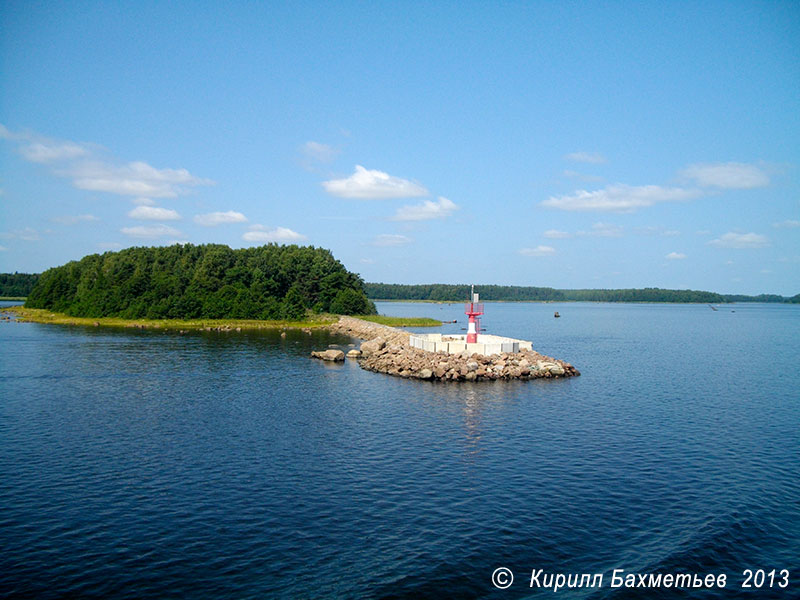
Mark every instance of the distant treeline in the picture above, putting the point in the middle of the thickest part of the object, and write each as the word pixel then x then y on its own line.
pixel 440 292
pixel 265 282
pixel 17 285
pixel 208 281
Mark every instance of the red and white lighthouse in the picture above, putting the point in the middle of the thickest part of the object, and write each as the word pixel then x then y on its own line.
pixel 473 310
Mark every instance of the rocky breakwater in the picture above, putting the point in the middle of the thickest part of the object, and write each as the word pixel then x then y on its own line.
pixel 405 361
pixel 366 330
pixel 386 350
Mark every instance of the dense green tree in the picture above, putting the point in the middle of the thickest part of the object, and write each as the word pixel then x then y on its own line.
pixel 187 281
pixel 293 307
pixel 460 293
pixel 269 307
pixel 351 302
pixel 17 284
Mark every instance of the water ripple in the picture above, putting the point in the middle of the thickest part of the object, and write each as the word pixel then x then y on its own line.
pixel 142 464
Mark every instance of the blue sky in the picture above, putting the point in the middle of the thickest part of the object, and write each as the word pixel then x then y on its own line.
pixel 562 144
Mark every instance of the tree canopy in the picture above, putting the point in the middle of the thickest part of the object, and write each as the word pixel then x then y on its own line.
pixel 459 293
pixel 17 284
pixel 207 281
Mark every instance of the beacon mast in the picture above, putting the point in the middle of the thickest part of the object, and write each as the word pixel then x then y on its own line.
pixel 473 310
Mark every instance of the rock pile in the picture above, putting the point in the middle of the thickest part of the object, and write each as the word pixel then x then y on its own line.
pixel 365 330
pixel 405 361
pixel 387 351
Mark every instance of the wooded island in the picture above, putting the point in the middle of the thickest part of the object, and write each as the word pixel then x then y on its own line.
pixel 209 281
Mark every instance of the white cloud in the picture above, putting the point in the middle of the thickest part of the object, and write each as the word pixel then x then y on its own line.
pixel 427 210
pixel 28 234
pixel 675 256
pixel 555 234
pixel 788 224
pixel 603 230
pixel 74 219
pixel 619 198
pixel 219 218
pixel 593 158
pixel 134 179
pixel 320 152
pixel 154 213
pixel 3 249
pixel 740 240
pixel 89 170
pixel 151 231
pixel 730 175
pixel 597 230
pixel 259 233
pixel 143 201
pixel 656 230
pixel 388 239
pixel 47 152
pixel 538 251
pixel 365 183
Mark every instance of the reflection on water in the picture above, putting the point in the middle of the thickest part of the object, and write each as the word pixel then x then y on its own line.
pixel 472 422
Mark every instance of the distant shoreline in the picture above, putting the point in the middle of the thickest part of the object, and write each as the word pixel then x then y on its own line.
pixel 442 292
pixel 575 302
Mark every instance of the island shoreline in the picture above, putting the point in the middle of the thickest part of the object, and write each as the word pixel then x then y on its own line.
pixel 321 321
pixel 384 349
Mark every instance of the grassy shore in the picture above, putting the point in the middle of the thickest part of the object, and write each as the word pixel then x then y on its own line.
pixel 401 321
pixel 38 315
pixel 13 298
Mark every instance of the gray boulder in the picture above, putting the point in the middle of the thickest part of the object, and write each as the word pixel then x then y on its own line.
pixel 372 346
pixel 329 355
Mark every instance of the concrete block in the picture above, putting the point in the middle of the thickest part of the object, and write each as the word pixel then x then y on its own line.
pixel 456 347
pixel 492 348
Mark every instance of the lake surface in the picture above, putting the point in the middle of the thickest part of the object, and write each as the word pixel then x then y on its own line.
pixel 143 464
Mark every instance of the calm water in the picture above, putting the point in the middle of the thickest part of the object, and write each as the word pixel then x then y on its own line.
pixel 140 464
